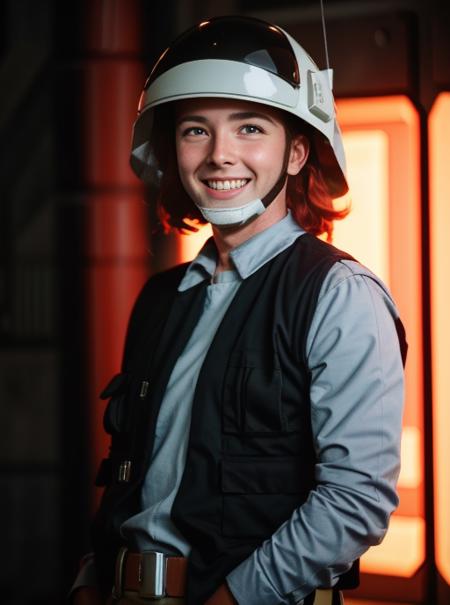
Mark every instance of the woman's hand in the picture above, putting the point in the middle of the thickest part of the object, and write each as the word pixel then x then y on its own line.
pixel 222 596
pixel 87 595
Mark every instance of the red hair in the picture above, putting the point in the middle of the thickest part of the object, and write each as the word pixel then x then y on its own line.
pixel 310 203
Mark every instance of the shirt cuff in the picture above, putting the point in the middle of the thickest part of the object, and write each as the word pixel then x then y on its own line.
pixel 250 585
pixel 87 575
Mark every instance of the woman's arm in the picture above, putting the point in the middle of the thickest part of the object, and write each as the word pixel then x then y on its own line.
pixel 356 412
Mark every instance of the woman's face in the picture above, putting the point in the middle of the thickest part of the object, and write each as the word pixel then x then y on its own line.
pixel 231 152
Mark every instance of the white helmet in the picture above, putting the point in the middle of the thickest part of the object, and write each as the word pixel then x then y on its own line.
pixel 247 59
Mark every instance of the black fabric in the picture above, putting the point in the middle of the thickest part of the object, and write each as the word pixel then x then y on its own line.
pixel 250 459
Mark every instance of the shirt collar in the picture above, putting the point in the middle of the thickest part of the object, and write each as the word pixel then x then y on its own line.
pixel 248 257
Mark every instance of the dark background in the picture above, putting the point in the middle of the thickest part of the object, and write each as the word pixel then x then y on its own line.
pixel 376 48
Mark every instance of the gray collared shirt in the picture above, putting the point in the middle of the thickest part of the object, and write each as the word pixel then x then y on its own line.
pixel 356 400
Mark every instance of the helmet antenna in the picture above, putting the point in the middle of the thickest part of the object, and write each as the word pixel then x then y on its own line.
pixel 324 29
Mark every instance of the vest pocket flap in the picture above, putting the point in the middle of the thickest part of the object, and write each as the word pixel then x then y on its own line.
pixel 114 416
pixel 262 475
pixel 114 386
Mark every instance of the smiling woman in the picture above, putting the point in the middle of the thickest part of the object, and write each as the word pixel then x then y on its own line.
pixel 255 426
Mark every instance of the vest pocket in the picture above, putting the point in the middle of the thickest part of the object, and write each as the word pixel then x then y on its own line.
pixel 116 468
pixel 252 395
pixel 259 494
pixel 114 418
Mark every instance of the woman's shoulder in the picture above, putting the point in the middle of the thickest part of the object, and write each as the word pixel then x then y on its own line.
pixel 161 281
pixel 157 289
pixel 355 282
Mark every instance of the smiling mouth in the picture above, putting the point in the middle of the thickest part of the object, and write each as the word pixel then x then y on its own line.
pixel 226 185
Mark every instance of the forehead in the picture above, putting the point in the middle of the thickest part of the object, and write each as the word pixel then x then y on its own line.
pixel 224 108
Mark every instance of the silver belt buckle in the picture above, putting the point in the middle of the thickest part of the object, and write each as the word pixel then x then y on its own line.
pixel 152 575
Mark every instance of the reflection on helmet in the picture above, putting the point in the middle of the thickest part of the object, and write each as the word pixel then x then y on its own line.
pixel 247 59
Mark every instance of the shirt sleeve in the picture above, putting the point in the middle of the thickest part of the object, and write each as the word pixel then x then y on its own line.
pixel 356 394
pixel 87 575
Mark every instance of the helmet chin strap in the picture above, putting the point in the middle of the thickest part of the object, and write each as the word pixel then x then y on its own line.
pixel 234 217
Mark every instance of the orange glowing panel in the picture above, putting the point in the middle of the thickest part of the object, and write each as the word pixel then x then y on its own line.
pixel 371 602
pixel 382 144
pixel 411 473
pixel 402 551
pixel 366 228
pixel 439 146
pixel 190 244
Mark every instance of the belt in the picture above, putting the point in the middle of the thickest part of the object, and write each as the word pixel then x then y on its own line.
pixel 154 575
pixel 326 596
pixel 151 574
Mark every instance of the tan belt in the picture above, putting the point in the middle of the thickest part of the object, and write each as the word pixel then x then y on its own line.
pixel 153 575
pixel 325 597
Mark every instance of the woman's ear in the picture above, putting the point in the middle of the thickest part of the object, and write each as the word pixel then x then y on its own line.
pixel 298 154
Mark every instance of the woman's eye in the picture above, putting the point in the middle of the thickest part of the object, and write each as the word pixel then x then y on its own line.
pixel 194 131
pixel 251 129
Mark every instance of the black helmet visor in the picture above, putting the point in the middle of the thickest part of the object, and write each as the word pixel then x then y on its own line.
pixel 241 39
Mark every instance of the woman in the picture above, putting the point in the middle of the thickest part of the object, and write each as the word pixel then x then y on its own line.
pixel 256 422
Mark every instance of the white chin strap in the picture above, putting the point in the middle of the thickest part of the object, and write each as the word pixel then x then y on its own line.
pixel 230 217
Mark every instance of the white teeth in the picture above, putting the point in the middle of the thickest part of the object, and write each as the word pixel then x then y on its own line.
pixel 226 185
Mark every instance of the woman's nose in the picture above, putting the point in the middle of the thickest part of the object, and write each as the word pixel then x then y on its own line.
pixel 222 150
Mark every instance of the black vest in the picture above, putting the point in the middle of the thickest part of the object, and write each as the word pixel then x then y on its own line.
pixel 250 459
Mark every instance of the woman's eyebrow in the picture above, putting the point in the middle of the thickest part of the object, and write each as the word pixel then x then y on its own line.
pixel 250 115
pixel 233 117
pixel 191 118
